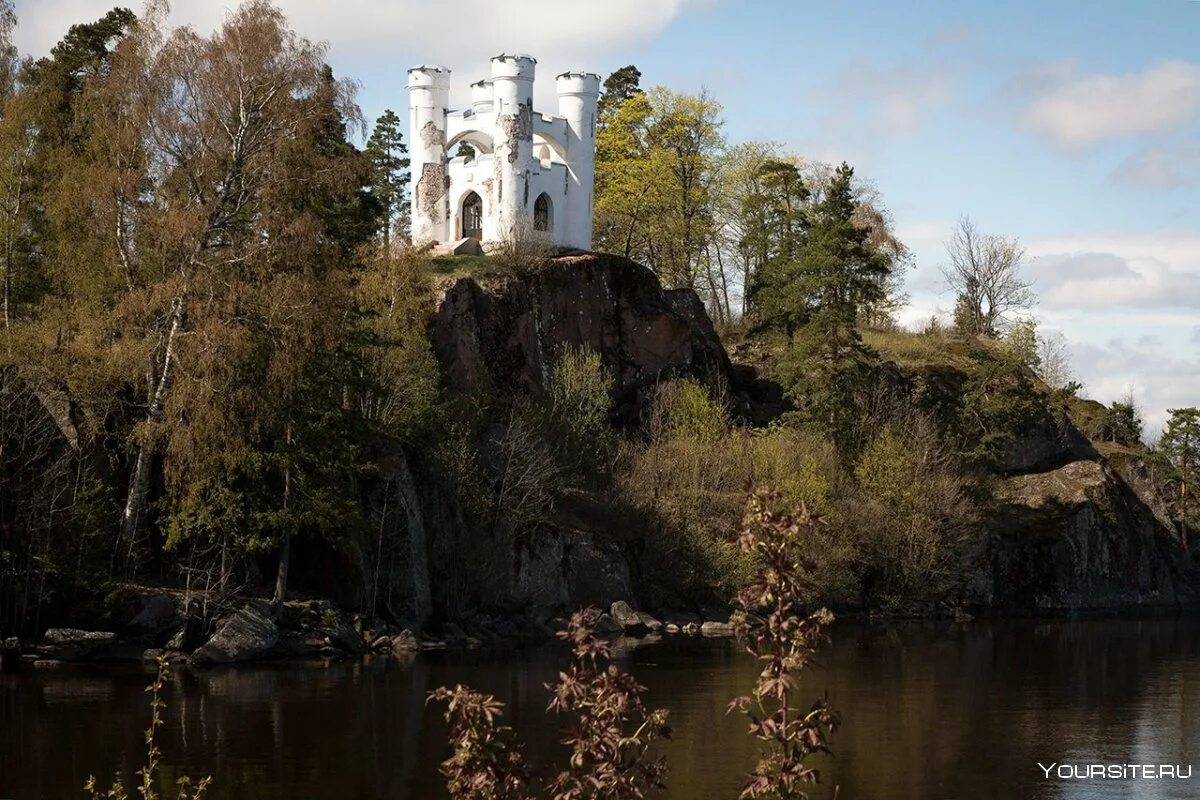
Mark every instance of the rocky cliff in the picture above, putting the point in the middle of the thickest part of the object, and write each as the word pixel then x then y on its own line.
pixel 503 334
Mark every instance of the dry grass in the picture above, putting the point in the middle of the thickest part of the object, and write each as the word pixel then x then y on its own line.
pixel 943 349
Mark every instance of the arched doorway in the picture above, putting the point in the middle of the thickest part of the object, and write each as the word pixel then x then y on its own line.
pixel 472 216
pixel 541 212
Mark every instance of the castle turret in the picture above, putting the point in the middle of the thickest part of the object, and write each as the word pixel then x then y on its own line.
pixel 512 92
pixel 481 96
pixel 429 98
pixel 578 96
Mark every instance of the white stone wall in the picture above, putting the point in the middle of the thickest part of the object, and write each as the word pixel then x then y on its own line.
pixel 520 154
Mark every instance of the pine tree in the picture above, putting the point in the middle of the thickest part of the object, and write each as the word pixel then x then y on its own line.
pixel 390 174
pixel 839 274
pixel 1180 445
pixel 774 236
pixel 618 87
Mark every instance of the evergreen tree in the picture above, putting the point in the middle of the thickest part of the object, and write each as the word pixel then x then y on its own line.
pixel 1180 445
pixel 618 87
pixel 839 273
pixel 774 234
pixel 390 174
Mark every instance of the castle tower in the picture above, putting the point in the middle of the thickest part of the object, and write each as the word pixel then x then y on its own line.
pixel 429 99
pixel 512 93
pixel 530 172
pixel 578 97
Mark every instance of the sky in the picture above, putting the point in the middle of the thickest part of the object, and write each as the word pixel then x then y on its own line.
pixel 1072 125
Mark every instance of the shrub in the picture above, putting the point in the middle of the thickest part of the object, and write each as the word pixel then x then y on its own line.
pixel 610 734
pixel 692 491
pixel 913 518
pixel 580 401
pixel 523 250
pixel 783 640
pixel 684 410
pixel 485 764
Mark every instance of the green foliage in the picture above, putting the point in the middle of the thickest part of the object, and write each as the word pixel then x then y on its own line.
pixel 389 173
pixel 1180 445
pixel 685 411
pixel 619 86
pixel 692 491
pixel 839 274
pixel 580 401
pixel 1121 423
pixel 1022 342
pixel 915 519
pixel 999 403
pixel 656 161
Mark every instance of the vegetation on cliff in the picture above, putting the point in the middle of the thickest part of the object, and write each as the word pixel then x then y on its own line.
pixel 222 370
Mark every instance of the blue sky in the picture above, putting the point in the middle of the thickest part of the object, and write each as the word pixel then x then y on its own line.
pixel 1072 125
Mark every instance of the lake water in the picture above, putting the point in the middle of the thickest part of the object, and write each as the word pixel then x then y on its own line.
pixel 930 712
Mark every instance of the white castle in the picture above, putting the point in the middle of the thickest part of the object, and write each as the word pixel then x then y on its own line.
pixel 529 169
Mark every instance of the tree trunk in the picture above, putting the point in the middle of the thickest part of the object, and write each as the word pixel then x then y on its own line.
pixel 281 577
pixel 139 486
pixel 285 547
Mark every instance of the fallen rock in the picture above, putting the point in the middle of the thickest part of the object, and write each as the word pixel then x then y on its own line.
pixel 649 622
pixel 341 633
pixel 629 620
pixel 716 629
pixel 405 642
pixel 607 626
pixel 70 644
pixel 691 629
pixel 159 615
pixel 248 633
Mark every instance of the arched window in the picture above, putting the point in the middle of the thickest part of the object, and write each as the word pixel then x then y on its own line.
pixel 472 216
pixel 541 212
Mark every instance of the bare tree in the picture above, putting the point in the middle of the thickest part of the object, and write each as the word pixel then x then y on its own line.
pixel 1054 356
pixel 985 275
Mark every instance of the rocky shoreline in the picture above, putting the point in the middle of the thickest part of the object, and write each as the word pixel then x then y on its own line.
pixel 254 630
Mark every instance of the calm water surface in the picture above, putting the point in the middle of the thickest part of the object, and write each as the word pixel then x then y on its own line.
pixel 929 711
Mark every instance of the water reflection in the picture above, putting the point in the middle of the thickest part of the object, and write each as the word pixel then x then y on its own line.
pixel 929 711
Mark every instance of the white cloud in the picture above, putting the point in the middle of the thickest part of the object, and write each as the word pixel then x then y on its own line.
pixel 1119 272
pixel 1160 379
pixel 1168 166
pixel 1078 109
pixel 466 31
pixel 892 101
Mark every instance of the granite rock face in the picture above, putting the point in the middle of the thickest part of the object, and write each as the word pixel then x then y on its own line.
pixel 507 333
pixel 1079 538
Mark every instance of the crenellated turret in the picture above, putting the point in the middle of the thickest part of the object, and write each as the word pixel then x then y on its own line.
pixel 504 189
pixel 512 92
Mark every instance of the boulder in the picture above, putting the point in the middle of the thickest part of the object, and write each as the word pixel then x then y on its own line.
pixel 607 626
pixel 341 633
pixel 624 615
pixel 159 615
pixel 405 642
pixel 247 634
pixel 10 654
pixel 70 644
pixel 649 622
pixel 716 629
